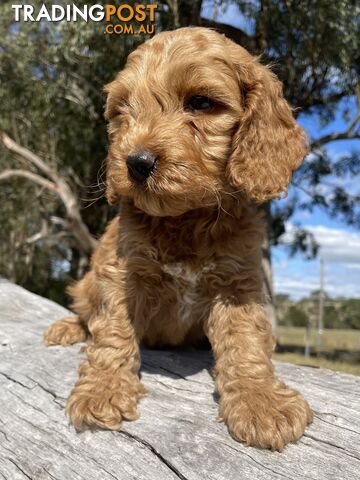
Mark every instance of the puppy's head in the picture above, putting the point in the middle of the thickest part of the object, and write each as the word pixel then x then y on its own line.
pixel 193 116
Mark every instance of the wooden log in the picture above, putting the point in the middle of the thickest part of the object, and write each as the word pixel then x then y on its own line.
pixel 177 435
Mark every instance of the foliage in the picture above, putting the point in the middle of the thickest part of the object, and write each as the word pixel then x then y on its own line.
pixel 296 317
pixel 350 312
pixel 314 48
pixel 51 80
pixel 338 312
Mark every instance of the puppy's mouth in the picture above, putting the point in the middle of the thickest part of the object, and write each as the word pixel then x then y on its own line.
pixel 155 200
pixel 164 187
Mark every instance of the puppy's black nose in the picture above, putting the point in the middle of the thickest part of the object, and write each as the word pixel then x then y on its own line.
pixel 140 164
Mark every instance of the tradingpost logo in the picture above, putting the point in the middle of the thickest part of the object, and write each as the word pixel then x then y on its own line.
pixel 119 19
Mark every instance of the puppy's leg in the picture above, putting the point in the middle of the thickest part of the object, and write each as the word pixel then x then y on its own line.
pixel 67 331
pixel 73 329
pixel 258 408
pixel 109 387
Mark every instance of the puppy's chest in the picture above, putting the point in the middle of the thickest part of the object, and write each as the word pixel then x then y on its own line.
pixel 187 283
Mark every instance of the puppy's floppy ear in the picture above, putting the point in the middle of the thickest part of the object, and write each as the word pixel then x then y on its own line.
pixel 268 144
pixel 112 99
pixel 111 110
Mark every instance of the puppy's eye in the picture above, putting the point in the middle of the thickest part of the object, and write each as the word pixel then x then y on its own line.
pixel 123 108
pixel 198 103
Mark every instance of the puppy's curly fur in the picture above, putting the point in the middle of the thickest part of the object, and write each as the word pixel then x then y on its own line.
pixel 183 259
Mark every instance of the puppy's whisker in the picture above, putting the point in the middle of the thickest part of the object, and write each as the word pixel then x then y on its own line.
pixel 100 183
pixel 96 188
pixel 218 209
pixel 225 211
pixel 231 194
pixel 214 192
pixel 91 201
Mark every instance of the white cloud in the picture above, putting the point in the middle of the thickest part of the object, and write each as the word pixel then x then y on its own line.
pixel 295 287
pixel 336 245
pixel 303 215
pixel 298 287
pixel 340 250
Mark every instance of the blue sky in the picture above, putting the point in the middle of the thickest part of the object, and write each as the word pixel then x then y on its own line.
pixel 339 243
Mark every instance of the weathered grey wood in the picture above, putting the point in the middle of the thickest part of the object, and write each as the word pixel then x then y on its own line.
pixel 177 435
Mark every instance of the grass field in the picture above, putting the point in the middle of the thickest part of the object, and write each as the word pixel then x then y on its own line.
pixel 331 339
pixel 318 362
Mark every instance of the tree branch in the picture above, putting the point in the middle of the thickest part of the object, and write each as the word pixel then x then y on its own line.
pixel 300 187
pixel 235 34
pixel 8 174
pixel 77 226
pixel 42 234
pixel 260 30
pixel 349 134
pixel 306 101
pixel 173 5
pixel 332 137
pixel 27 155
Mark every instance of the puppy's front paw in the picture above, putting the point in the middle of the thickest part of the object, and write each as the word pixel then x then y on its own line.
pixel 67 331
pixel 97 403
pixel 268 418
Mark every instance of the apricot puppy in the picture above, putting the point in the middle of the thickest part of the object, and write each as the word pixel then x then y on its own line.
pixel 200 135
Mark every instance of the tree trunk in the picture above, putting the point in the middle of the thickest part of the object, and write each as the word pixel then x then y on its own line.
pixel 189 14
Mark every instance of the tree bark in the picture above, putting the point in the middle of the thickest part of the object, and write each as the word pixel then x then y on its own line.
pixel 177 436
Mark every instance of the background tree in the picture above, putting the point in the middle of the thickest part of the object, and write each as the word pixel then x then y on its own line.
pixel 51 79
pixel 350 313
pixel 296 317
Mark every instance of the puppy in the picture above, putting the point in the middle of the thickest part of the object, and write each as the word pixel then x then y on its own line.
pixel 200 135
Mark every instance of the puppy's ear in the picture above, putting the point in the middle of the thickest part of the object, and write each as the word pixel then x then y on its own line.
pixel 111 110
pixel 112 103
pixel 268 144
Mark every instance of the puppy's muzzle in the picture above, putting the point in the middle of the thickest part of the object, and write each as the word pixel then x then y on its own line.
pixel 140 165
